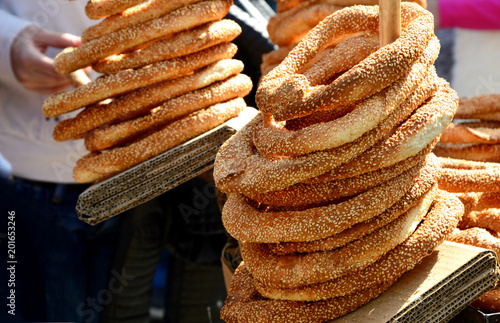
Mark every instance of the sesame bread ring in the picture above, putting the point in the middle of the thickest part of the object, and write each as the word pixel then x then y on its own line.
pixel 140 101
pixel 272 138
pixel 421 129
pixel 328 62
pixel 323 191
pixel 115 135
pixel 474 201
pixel 287 94
pixel 481 104
pixel 294 270
pixel 186 17
pixel 99 166
pixel 246 222
pixel 475 152
pixel 288 28
pixel 273 58
pixel 454 163
pixel 244 304
pixel 481 132
pixel 423 191
pixel 97 9
pixel 478 237
pixel 240 168
pixel 180 44
pixel 485 218
pixel 112 85
pixel 492 116
pixel 441 220
pixel 283 5
pixel 143 12
pixel 466 180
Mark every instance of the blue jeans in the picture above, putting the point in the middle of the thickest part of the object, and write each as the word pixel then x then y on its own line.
pixel 62 263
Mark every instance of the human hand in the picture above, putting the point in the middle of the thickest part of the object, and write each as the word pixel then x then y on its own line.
pixel 32 68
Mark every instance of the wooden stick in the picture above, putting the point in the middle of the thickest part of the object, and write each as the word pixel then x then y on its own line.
pixel 389 21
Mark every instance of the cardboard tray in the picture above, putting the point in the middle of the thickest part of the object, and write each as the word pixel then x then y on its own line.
pixel 158 175
pixel 436 290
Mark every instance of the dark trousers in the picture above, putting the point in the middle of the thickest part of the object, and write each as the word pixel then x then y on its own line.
pixel 62 264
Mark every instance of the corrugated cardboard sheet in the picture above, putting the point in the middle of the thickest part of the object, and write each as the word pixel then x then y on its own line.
pixel 436 290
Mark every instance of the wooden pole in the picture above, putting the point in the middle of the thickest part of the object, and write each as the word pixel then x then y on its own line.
pixel 389 21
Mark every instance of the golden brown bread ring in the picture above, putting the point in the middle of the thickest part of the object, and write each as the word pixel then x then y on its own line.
pixel 140 101
pixel 454 163
pixel 143 12
pixel 111 85
pixel 477 237
pixel 97 9
pixel 475 152
pixel 118 134
pixel 492 116
pixel 481 104
pixel 472 133
pixel 489 302
pixel 354 48
pixel 424 190
pixel 438 224
pixel 99 166
pixel 246 223
pixel 294 270
pixel 186 17
pixel 284 5
pixel 465 180
pixel 239 168
pixel 485 218
pixel 273 58
pixel 180 44
pixel 474 201
pixel 245 304
pixel 288 28
pixel 287 94
pixel 273 138
pixel 321 191
pixel 421 129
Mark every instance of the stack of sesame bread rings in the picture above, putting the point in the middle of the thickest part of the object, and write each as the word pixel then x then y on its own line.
pixel 168 75
pixel 333 188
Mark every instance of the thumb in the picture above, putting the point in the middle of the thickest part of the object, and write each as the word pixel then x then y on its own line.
pixel 47 38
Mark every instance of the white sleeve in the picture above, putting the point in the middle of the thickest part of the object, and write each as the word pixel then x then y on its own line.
pixel 10 26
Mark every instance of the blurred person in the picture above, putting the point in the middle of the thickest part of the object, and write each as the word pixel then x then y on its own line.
pixel 57 265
